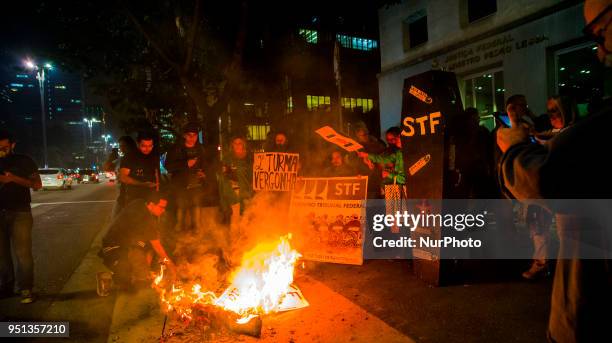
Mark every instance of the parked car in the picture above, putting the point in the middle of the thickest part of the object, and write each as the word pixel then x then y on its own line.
pixel 111 176
pixel 89 176
pixel 56 178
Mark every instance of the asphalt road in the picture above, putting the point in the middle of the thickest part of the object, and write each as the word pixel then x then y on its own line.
pixel 65 225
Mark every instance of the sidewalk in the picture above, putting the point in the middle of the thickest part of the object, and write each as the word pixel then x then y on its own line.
pixel 380 301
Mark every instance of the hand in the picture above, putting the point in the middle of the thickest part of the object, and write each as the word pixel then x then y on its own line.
pixel 192 162
pixel 518 133
pixel 149 184
pixel 6 178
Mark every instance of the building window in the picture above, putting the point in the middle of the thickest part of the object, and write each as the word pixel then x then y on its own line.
pixel 313 102
pixel 290 104
pixel 60 87
pixel 258 132
pixel 485 92
pixel 22 76
pixel 353 103
pixel 478 9
pixel 311 36
pixel 579 75
pixel 415 30
pixel 78 101
pixel 356 42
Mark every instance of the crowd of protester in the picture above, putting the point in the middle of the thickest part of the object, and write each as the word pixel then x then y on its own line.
pixel 553 156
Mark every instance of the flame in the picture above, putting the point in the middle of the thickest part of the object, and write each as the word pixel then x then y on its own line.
pixel 257 287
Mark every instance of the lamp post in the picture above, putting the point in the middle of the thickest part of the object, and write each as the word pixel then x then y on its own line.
pixel 106 138
pixel 40 76
pixel 90 123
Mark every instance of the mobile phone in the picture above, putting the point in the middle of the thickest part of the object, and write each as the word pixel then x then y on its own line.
pixel 503 119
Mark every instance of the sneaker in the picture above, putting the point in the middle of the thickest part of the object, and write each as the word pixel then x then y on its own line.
pixel 104 283
pixel 536 270
pixel 26 296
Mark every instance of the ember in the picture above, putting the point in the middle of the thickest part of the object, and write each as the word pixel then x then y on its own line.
pixel 257 287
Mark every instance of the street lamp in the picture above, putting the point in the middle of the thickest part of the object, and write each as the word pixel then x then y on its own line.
pixel 106 138
pixel 90 123
pixel 40 76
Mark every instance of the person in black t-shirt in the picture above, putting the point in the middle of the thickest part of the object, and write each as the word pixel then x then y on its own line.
pixel 126 246
pixel 18 173
pixel 194 182
pixel 139 170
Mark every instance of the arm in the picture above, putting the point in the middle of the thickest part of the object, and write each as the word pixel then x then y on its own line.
pixel 161 252
pixel 124 177
pixel 32 182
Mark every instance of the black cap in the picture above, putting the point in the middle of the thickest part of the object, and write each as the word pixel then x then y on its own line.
pixel 191 127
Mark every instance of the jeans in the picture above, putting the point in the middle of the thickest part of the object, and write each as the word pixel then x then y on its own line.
pixel 16 233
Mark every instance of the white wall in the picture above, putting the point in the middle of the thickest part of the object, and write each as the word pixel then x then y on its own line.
pixel 525 69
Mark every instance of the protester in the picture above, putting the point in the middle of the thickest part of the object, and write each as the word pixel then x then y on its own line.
pixel 337 166
pixel 113 163
pixel 18 173
pixel 279 144
pixel 194 183
pixel 236 183
pixel 139 170
pixel 570 167
pixel 561 114
pixel 392 159
pixel 126 247
pixel 371 145
pixel 475 176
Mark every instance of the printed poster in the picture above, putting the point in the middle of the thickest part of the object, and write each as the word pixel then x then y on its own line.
pixel 328 218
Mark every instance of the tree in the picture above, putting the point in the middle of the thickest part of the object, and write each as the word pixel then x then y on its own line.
pixel 182 57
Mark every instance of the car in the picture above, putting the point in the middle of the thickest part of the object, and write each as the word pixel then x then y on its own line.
pixel 55 178
pixel 89 176
pixel 111 176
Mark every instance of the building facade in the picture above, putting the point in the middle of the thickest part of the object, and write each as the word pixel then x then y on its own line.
pixel 496 48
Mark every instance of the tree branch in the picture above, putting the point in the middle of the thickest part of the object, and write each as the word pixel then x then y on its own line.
pixel 194 30
pixel 151 41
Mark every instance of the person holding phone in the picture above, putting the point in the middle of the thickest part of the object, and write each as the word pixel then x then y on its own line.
pixel 572 166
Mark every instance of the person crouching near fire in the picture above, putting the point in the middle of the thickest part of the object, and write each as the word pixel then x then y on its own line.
pixel 127 247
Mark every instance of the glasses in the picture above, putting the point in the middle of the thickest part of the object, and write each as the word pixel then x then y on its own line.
pixel 596 36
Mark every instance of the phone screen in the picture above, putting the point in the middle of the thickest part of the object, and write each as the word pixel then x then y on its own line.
pixel 504 119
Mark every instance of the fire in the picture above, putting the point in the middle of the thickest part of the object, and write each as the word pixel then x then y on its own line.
pixel 257 287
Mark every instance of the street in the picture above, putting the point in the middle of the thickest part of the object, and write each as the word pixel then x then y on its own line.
pixel 381 298
pixel 65 225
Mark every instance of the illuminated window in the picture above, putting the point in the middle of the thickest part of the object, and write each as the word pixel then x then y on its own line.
pixel 485 92
pixel 59 109
pixel 353 103
pixel 77 101
pixel 22 76
pixel 313 102
pixel 311 36
pixel 258 132
pixel 356 42
pixel 19 85
pixel 60 87
pixel 290 104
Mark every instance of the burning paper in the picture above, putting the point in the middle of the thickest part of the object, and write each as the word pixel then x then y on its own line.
pixel 260 285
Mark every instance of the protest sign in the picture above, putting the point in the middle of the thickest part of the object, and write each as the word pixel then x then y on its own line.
pixel 275 171
pixel 328 218
pixel 334 137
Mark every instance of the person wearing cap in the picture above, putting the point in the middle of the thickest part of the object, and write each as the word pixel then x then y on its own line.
pixel 193 181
